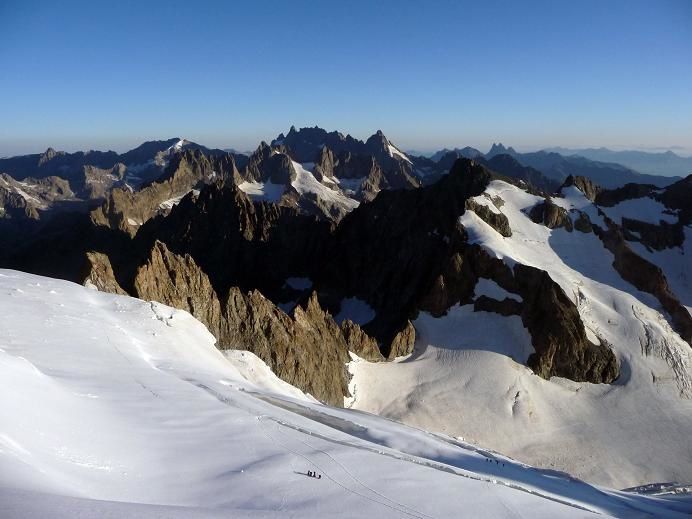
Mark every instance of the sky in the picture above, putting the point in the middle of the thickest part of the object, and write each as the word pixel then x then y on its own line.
pixel 112 74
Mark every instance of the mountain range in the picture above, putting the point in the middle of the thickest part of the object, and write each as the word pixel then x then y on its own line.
pixel 500 300
pixel 661 163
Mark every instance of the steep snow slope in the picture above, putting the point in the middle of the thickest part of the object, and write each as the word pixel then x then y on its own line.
pixel 466 376
pixel 111 406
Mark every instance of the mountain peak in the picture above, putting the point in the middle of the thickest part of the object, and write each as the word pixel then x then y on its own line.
pixel 49 154
pixel 500 149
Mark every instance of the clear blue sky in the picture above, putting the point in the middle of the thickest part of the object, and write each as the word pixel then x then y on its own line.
pixel 110 74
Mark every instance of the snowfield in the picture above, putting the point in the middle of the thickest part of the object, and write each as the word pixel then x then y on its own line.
pixel 115 407
pixel 268 191
pixel 466 376
pixel 305 182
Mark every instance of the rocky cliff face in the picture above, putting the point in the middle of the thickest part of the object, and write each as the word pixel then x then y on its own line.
pixel 390 251
pixel 177 281
pixel 585 185
pixel 360 342
pixel 31 197
pixel 308 350
pixel 98 273
pixel 127 210
pixel 238 242
pixel 96 183
pixel 551 215
pixel 557 333
pixel 497 221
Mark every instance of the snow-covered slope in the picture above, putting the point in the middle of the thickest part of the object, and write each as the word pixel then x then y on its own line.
pixel 467 376
pixel 305 182
pixel 115 407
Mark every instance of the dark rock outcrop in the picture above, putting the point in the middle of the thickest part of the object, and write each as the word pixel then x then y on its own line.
pixel 585 185
pixel 497 221
pixel 403 342
pixel 611 197
pixel 307 350
pixel 98 273
pixel 658 237
pixel 551 215
pixel 127 210
pixel 177 281
pixel 389 252
pixel 583 223
pixel 678 196
pixel 258 246
pixel 506 307
pixel 557 333
pixel 645 276
pixel 360 342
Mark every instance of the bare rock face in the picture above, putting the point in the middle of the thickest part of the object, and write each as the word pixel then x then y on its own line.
pixel 658 237
pixel 585 185
pixel 360 342
pixel 325 164
pixel 678 196
pixel 611 197
pixel 459 276
pixel 506 307
pixel 97 182
pixel 308 351
pixel 29 198
pixel 403 342
pixel 551 215
pixel 583 223
pixel 177 281
pixel 258 246
pixel 497 221
pixel 267 164
pixel 127 210
pixel 98 273
pixel 557 333
pixel 390 251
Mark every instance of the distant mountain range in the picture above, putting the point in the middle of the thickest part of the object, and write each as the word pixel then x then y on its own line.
pixel 607 167
pixel 314 171
pixel 664 163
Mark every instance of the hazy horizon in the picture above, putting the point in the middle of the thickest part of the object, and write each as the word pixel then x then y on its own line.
pixel 216 142
pixel 80 75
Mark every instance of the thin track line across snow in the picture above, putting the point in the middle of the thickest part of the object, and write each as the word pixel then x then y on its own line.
pixel 358 481
pixel 397 507
pixel 410 458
